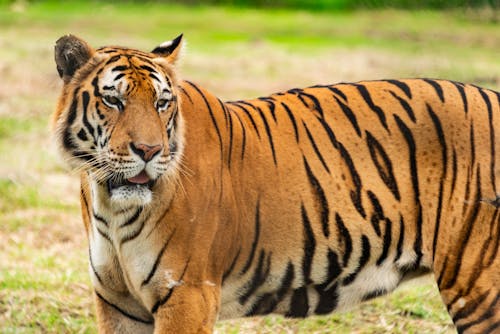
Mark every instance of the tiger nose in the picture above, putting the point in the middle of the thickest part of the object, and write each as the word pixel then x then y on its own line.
pixel 146 152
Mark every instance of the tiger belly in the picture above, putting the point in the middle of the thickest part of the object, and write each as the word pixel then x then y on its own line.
pixel 276 295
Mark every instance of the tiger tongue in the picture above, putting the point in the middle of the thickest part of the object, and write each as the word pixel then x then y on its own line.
pixel 140 178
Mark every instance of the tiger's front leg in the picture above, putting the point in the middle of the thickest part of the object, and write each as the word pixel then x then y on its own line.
pixel 188 309
pixel 110 319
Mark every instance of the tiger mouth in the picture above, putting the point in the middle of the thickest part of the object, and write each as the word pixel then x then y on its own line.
pixel 139 181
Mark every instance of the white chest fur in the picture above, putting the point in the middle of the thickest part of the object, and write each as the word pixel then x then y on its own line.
pixel 120 255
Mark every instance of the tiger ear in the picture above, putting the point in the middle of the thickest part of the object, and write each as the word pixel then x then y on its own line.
pixel 71 53
pixel 170 50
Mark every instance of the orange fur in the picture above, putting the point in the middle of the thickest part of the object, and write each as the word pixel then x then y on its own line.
pixel 300 203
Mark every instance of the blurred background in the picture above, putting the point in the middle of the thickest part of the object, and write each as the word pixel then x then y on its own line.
pixel 237 49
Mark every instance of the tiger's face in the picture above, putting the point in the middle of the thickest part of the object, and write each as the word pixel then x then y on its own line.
pixel 118 119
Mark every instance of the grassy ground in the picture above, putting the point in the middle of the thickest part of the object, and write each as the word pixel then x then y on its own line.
pixel 44 286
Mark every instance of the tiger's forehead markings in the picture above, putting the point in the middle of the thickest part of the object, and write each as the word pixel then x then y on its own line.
pixel 126 72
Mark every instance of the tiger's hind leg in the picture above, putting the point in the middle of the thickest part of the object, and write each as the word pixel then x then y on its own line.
pixel 467 269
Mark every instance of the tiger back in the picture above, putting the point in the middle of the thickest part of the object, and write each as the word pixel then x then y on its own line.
pixel 303 202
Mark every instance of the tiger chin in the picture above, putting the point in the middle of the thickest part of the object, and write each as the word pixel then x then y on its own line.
pixel 299 203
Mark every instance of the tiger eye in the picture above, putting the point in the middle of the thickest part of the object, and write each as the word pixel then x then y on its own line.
pixel 161 103
pixel 112 100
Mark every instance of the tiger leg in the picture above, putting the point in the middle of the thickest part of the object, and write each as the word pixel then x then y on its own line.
pixel 468 274
pixel 110 319
pixel 189 309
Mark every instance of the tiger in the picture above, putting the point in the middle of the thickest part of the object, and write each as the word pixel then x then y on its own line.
pixel 300 203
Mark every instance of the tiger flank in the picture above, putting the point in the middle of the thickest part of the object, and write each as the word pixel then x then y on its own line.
pixel 300 203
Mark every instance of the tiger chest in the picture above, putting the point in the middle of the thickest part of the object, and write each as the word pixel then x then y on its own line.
pixel 119 267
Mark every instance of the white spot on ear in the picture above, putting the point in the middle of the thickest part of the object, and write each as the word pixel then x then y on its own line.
pixel 165 44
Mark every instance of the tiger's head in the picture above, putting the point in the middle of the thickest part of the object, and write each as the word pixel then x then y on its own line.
pixel 118 117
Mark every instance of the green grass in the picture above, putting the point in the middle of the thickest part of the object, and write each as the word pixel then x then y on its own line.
pixel 236 53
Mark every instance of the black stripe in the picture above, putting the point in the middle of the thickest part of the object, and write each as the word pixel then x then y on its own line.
pixel 100 218
pixel 119 68
pixel 119 76
pixel 454 171
pixel 374 294
pixel 383 164
pixel 412 153
pixel 299 305
pixel 82 135
pixel 378 212
pixel 328 299
pixel 345 239
pixel 266 303
pixel 243 135
pixel 135 234
pixel 212 117
pixel 401 85
pixel 355 194
pixel 128 315
pixel 271 105
pixel 292 119
pixel 99 279
pixel 86 123
pixel 315 147
pixel 350 115
pixel 148 68
pixel 328 295
pixel 259 276
pixel 319 198
pixel 490 312
pixel 329 132
pixel 401 239
pixel 470 307
pixel 309 246
pixel 231 266
pixel 465 232
pixel 95 84
pixel 461 90
pixel 442 179
pixel 494 236
pixel 368 99
pixel 492 137
pixel 287 280
pixel 103 234
pixel 440 276
pixel 229 125
pixel 269 135
pixel 154 77
pixel 437 87
pixel 365 256
pixel 236 104
pixel 493 328
pixel 112 59
pixel 185 93
pixel 334 270
pixel 157 261
pixel 387 241
pixel 165 298
pixel 255 239
pixel 406 106
pixel 472 146
pixel 133 218
pixel 337 91
pixel 67 139
pixel 301 94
